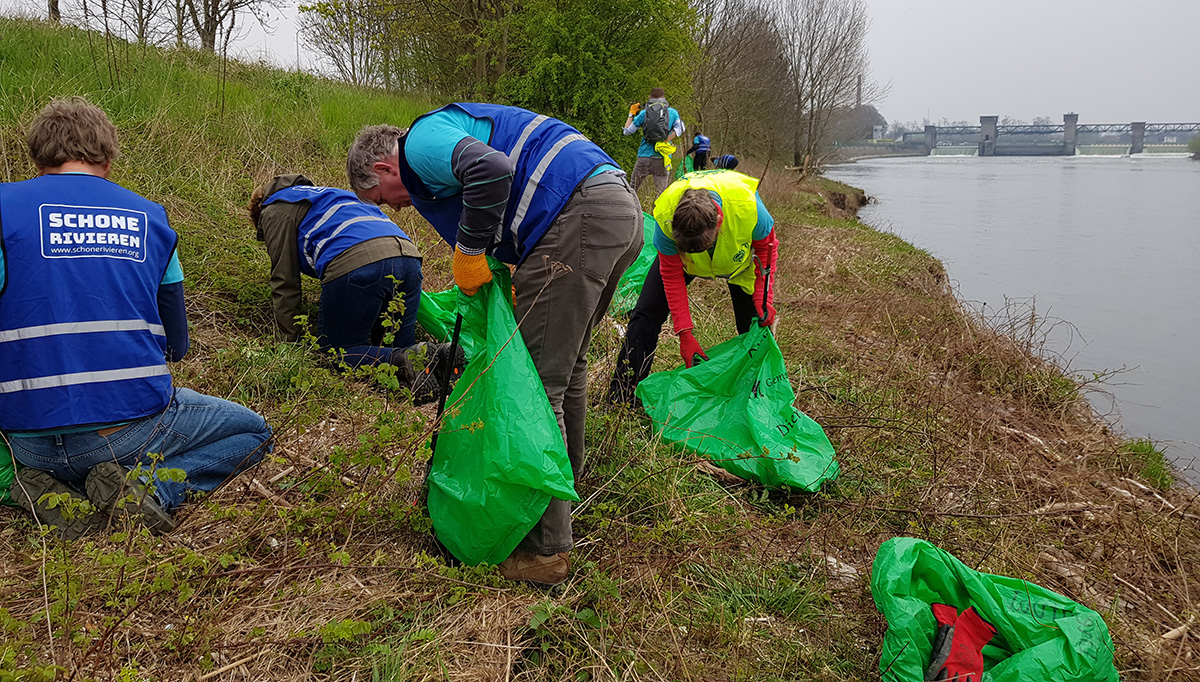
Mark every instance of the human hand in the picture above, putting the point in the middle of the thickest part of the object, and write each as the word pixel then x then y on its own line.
pixel 635 108
pixel 766 319
pixel 689 348
pixel 470 272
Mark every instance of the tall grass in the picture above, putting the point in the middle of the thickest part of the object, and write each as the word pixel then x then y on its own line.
pixel 196 133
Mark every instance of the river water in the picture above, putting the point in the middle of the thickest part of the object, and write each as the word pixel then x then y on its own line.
pixel 1108 246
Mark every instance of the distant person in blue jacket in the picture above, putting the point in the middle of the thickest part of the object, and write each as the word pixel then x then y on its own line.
pixel 699 151
pixel 534 193
pixel 660 123
pixel 364 261
pixel 726 161
pixel 91 311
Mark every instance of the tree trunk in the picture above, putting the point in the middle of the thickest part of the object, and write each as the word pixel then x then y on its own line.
pixel 55 15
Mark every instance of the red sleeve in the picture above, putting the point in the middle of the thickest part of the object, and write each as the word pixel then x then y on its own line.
pixel 766 250
pixel 675 287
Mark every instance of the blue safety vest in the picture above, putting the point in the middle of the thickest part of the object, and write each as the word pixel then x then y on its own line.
pixel 81 341
pixel 551 159
pixel 702 143
pixel 336 221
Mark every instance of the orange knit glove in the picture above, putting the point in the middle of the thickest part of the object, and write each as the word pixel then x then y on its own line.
pixel 635 108
pixel 470 272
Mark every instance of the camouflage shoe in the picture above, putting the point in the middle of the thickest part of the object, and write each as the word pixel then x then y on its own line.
pixel 28 488
pixel 430 364
pixel 109 486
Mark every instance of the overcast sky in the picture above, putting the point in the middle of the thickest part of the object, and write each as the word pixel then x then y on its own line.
pixel 1111 61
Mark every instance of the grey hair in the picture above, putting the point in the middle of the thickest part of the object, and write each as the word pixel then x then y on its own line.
pixel 372 144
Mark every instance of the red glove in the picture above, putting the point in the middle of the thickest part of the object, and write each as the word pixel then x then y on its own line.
pixel 765 252
pixel 957 651
pixel 689 348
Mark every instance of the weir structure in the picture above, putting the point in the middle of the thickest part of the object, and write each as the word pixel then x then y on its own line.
pixel 990 138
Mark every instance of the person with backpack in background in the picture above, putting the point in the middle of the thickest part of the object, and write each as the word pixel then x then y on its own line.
pixel 712 225
pixel 91 311
pixel 699 151
pixel 660 124
pixel 364 261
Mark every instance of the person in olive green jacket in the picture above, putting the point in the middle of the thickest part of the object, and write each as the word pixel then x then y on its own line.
pixel 364 260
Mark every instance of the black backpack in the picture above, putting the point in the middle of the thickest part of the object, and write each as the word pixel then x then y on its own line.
pixel 657 122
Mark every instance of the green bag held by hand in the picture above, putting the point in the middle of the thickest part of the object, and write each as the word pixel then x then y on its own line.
pixel 736 409
pixel 500 454
pixel 1040 635
pixel 436 315
pixel 629 287
pixel 6 473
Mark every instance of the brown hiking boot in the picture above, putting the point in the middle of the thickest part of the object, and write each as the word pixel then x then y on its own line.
pixel 537 569
pixel 28 488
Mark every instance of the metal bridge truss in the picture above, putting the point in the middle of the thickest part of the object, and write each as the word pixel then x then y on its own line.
pixel 1173 127
pixel 1030 129
pixel 1151 128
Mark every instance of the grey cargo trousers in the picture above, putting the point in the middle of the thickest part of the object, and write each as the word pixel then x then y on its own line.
pixel 597 235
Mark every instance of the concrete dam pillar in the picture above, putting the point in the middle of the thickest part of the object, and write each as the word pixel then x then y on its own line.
pixel 1139 137
pixel 930 139
pixel 1069 123
pixel 987 145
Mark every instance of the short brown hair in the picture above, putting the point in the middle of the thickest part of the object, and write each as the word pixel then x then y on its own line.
pixel 657 93
pixel 694 225
pixel 255 206
pixel 71 129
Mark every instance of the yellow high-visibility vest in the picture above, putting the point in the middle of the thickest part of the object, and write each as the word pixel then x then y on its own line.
pixel 732 258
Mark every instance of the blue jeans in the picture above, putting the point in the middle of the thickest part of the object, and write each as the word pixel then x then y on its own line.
pixel 209 438
pixel 353 304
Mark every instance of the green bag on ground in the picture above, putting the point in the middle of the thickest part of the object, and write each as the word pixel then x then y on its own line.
pixel 436 316
pixel 6 473
pixel 500 454
pixel 736 409
pixel 629 287
pixel 1040 635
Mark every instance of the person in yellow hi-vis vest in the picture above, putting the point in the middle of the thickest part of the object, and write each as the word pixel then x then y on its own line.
pixel 709 224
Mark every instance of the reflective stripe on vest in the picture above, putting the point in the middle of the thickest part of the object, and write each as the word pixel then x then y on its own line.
pixel 77 378
pixel 81 328
pixel 732 257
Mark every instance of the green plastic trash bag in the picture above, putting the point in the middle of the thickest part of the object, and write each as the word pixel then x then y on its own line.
pixel 1040 635
pixel 6 472
pixel 436 316
pixel 629 287
pixel 736 409
pixel 500 454
pixel 684 167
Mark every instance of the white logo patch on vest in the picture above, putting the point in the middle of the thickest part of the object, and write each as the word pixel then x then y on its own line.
pixel 93 232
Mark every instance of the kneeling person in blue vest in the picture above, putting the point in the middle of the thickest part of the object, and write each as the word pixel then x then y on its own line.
pixel 91 311
pixel 535 193
pixel 364 260
pixel 710 224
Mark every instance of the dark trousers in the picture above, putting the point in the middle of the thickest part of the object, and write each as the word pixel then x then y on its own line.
pixel 645 324
pixel 352 307
pixel 699 160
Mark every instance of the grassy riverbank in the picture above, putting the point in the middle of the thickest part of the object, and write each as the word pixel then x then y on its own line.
pixel 319 566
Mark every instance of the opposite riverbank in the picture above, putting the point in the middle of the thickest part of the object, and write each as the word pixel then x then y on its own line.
pixel 319 566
